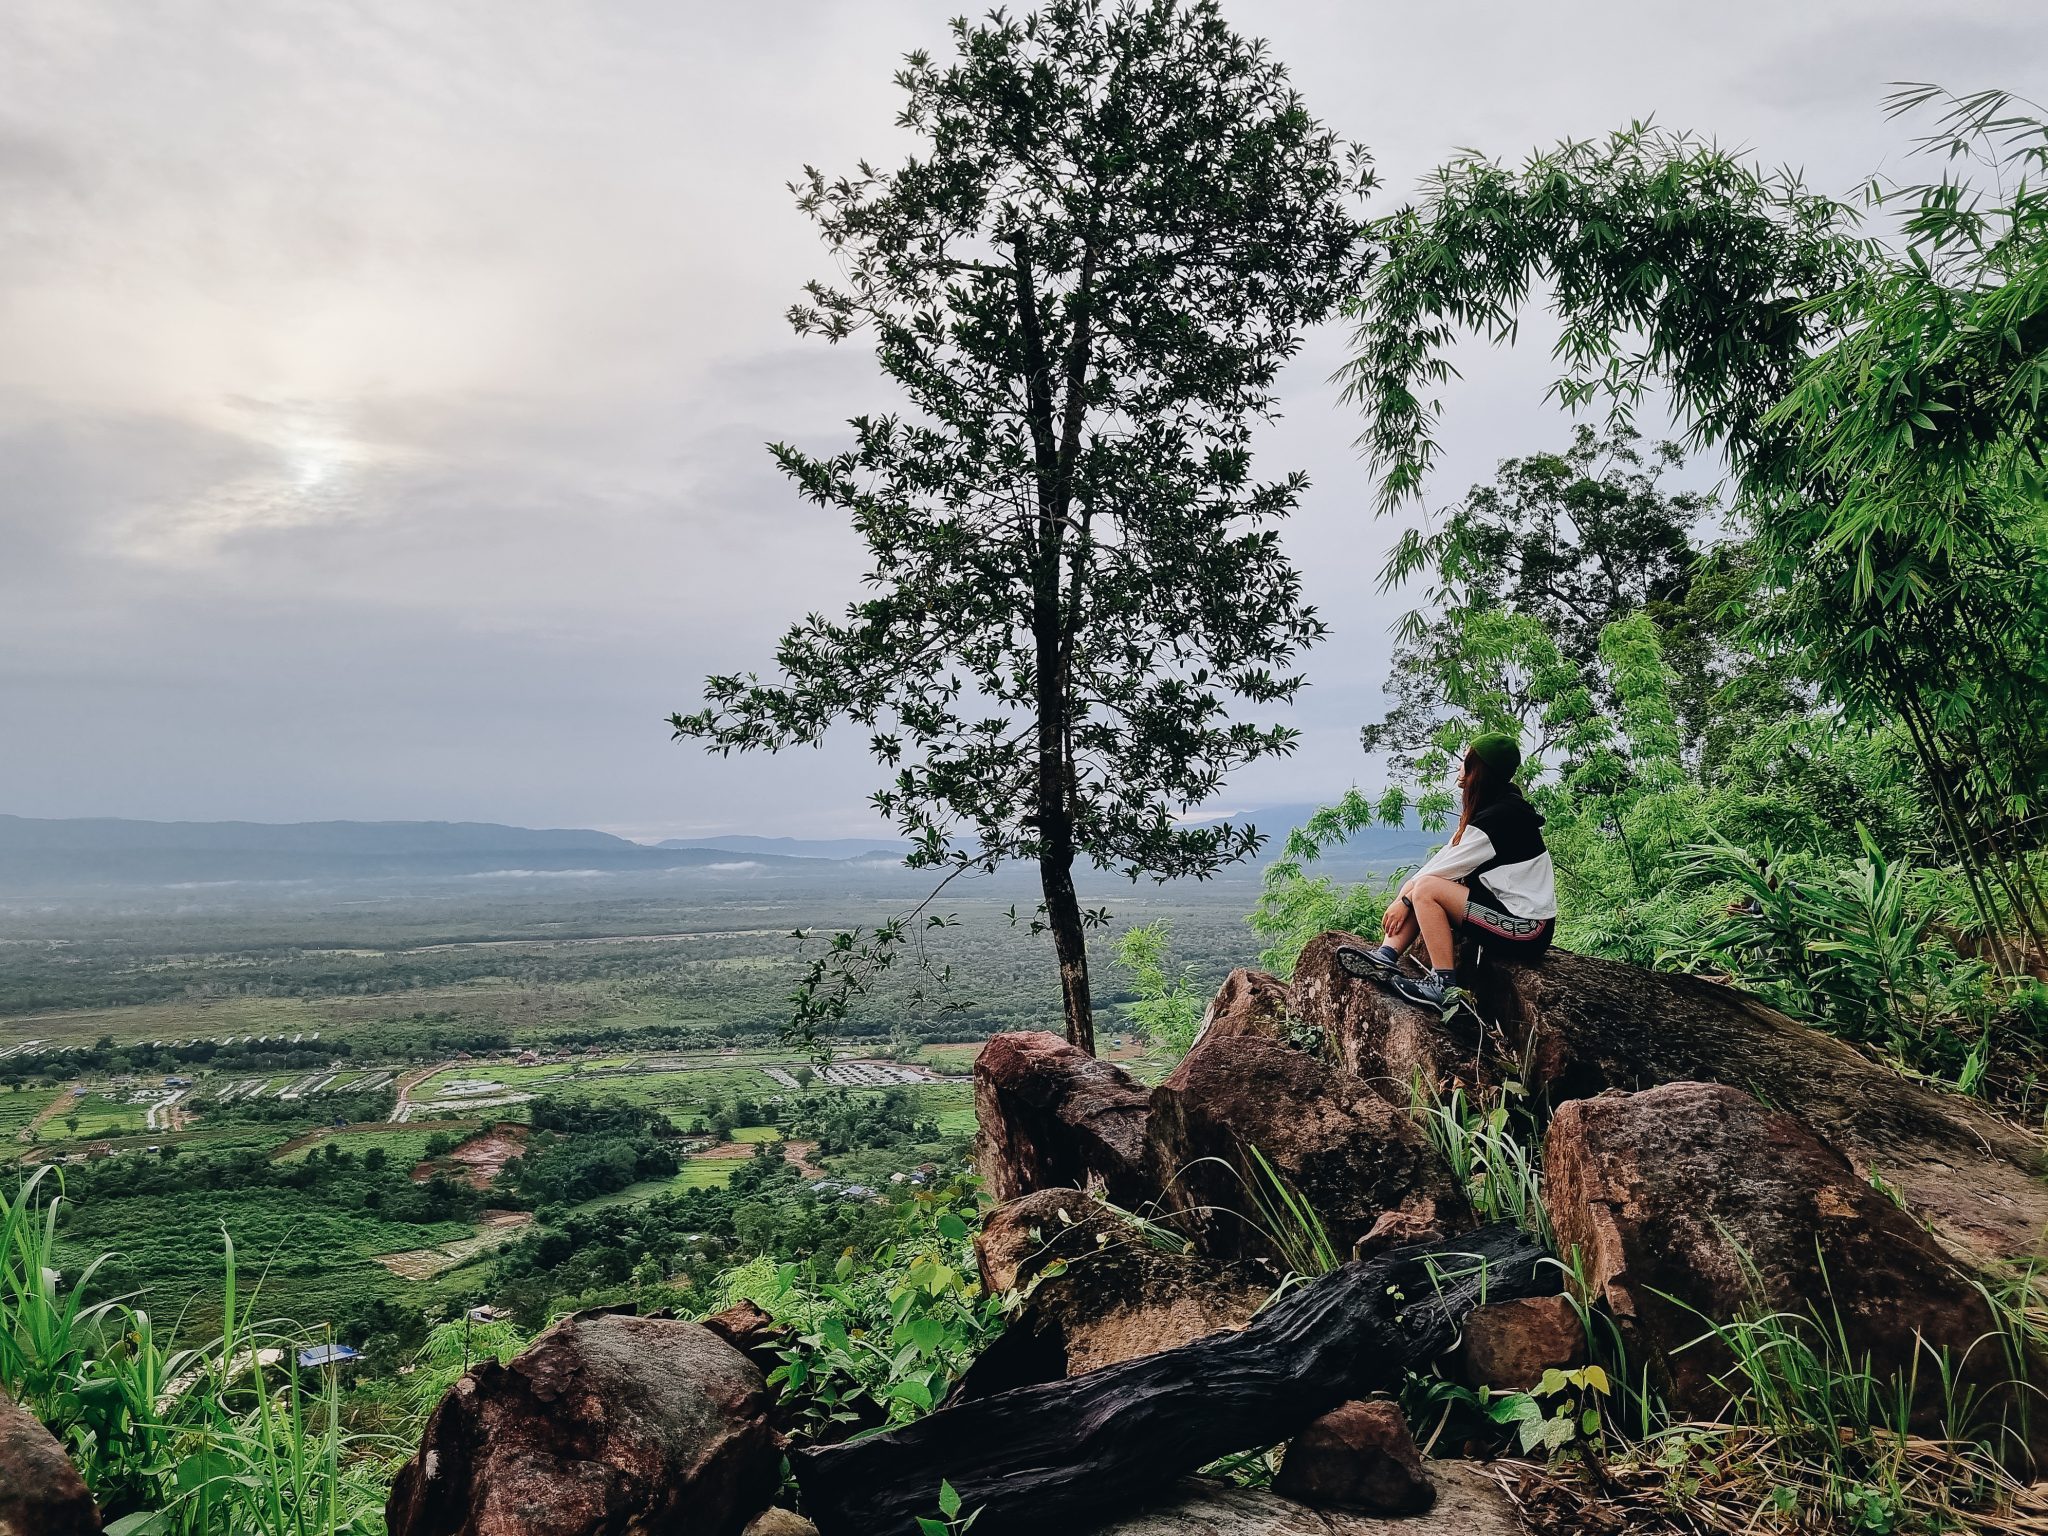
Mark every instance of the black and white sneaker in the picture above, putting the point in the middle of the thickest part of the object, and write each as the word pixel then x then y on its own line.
pixel 1366 964
pixel 1426 990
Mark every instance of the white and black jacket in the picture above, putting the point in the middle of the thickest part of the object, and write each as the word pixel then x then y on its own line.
pixel 1502 851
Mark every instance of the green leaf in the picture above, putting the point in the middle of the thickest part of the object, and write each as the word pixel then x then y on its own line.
pixel 913 1391
pixel 951 1227
pixel 949 1500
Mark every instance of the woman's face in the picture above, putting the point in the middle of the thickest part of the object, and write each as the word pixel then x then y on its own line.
pixel 1469 773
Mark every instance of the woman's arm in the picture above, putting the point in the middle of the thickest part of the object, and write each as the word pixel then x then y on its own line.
pixel 1456 860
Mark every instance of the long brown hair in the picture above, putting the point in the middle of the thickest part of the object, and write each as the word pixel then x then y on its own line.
pixel 1483 789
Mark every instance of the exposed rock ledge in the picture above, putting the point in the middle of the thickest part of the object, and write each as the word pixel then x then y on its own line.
pixel 1469 1503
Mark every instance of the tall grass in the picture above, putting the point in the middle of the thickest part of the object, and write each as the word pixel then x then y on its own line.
pixel 1500 1174
pixel 223 1439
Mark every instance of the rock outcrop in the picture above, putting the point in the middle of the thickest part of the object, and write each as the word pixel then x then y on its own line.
pixel 41 1493
pixel 1570 1026
pixel 1469 1503
pixel 1359 1456
pixel 1348 1152
pixel 1585 1025
pixel 1692 1201
pixel 1248 1003
pixel 604 1424
pixel 779 1522
pixel 750 1329
pixel 1508 1345
pixel 1102 1289
pixel 1053 1116
pixel 1381 1037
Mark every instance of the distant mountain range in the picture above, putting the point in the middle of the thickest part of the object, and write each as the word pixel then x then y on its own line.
pixel 104 853
pixel 797 847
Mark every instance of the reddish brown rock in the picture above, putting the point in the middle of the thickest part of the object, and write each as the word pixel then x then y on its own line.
pixel 1248 1003
pixel 1359 1457
pixel 41 1493
pixel 1053 1116
pixel 1102 1289
pixel 752 1331
pixel 1383 1038
pixel 1510 1344
pixel 1398 1229
pixel 603 1424
pixel 1350 1154
pixel 1693 1199
pixel 780 1522
pixel 1020 1237
pixel 1585 1025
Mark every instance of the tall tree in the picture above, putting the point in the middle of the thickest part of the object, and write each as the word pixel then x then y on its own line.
pixel 1083 286
pixel 1571 540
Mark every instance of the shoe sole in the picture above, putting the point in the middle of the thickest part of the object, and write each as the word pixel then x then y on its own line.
pixel 1360 965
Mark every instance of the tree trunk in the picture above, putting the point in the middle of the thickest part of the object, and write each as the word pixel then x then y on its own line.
pixel 1065 1455
pixel 1069 943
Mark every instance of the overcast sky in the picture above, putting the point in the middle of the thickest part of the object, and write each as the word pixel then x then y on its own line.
pixel 383 384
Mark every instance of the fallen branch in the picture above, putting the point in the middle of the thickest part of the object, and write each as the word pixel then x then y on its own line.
pixel 1064 1455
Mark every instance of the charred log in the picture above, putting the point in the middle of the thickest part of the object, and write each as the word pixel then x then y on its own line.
pixel 1064 1455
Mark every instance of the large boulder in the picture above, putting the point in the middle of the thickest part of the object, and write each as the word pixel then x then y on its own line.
pixel 1383 1038
pixel 1692 1201
pixel 41 1493
pixel 1584 1025
pixel 1248 1003
pixel 1052 1116
pixel 1508 1345
pixel 1469 1503
pixel 1358 1456
pixel 1350 1154
pixel 605 1423
pixel 1100 1288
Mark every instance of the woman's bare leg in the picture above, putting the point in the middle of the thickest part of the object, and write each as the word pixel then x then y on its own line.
pixel 1398 927
pixel 1439 908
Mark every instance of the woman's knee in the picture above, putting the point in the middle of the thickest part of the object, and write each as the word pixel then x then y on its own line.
pixel 1437 891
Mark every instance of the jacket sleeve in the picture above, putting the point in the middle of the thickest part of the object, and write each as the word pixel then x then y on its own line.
pixel 1456 860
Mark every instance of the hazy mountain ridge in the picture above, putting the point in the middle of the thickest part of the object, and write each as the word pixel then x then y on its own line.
pixel 112 853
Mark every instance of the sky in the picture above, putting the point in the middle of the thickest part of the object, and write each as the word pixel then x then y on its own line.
pixel 384 386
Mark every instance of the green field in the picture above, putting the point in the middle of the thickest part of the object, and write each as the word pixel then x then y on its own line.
pixel 296 1257
pixel 17 1109
pixel 99 1115
pixel 697 1173
pixel 401 1143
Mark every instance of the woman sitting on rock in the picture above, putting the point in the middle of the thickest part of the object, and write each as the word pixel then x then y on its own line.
pixel 1493 879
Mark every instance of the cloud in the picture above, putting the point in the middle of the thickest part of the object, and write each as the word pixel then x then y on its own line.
pixel 383 388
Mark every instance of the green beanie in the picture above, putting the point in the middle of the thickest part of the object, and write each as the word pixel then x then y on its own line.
pixel 1499 751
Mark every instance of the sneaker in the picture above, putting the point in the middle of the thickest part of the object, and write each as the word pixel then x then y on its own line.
pixel 1426 990
pixel 1365 964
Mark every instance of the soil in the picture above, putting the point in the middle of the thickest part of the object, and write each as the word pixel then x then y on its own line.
pixel 47 1113
pixel 800 1153
pixel 479 1161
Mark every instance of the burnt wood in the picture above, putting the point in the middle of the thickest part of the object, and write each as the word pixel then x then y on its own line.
pixel 1065 1455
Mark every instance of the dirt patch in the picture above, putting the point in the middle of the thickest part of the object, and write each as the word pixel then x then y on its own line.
pixel 496 1229
pixel 478 1161
pixel 47 1113
pixel 797 1152
pixel 729 1149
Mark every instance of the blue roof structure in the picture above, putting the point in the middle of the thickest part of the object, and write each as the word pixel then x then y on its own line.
pixel 328 1354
